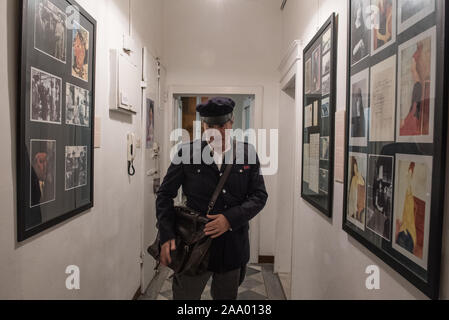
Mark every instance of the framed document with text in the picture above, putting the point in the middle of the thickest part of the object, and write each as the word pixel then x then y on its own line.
pixel 319 118
pixel 55 114
pixel 396 134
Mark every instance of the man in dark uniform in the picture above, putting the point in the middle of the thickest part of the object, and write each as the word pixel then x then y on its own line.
pixel 197 168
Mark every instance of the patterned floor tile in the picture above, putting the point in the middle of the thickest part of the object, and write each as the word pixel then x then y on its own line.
pixel 166 286
pixel 258 268
pixel 241 289
pixel 250 295
pixel 167 294
pixel 251 283
pixel 260 290
pixel 251 271
pixel 257 276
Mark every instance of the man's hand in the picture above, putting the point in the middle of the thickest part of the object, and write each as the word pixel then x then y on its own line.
pixel 165 252
pixel 217 227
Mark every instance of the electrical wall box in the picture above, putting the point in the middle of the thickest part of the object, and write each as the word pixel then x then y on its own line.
pixel 124 89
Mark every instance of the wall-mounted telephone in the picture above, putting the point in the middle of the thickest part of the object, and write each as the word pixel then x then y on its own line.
pixel 131 153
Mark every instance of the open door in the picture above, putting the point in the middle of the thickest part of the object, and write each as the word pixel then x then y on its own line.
pixel 152 124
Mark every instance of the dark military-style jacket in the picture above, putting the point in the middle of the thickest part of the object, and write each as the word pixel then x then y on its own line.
pixel 243 197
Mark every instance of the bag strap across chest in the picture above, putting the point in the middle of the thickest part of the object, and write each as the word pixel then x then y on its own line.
pixel 222 181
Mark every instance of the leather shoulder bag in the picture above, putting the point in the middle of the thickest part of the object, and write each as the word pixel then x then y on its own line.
pixel 191 256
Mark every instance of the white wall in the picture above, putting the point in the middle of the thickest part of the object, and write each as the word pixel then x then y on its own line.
pixel 327 263
pixel 229 43
pixel 106 241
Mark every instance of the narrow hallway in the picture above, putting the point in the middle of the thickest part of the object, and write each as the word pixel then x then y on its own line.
pixel 120 115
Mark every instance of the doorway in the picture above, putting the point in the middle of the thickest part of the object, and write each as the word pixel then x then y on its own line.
pixel 284 231
pixel 187 117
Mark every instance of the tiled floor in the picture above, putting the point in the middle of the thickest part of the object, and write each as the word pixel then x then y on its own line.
pixel 286 281
pixel 258 285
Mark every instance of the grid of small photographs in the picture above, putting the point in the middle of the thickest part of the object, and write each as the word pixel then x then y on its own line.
pixel 57 108
pixel 391 128
pixel 317 172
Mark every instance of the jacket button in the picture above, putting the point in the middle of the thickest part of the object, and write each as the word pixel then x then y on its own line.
pixel 224 191
pixel 241 171
pixel 199 171
pixel 221 174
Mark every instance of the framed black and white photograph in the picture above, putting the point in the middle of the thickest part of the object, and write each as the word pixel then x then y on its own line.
pixel 396 135
pixel 46 97
pixel 380 195
pixel 324 181
pixel 150 124
pixel 359 109
pixel 360 31
pixel 77 110
pixel 75 167
pixel 316 70
pixel 308 76
pixel 327 41
pixel 413 11
pixel 324 148
pixel 50 31
pixel 325 107
pixel 319 118
pixel 326 63
pixel 326 87
pixel 55 115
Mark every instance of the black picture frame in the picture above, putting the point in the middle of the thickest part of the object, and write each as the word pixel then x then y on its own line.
pixel 324 126
pixel 50 69
pixel 427 279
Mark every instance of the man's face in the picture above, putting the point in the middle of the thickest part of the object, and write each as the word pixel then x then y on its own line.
pixel 222 129
pixel 40 166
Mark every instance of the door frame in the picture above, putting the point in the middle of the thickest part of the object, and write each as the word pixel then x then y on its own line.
pixel 290 69
pixel 256 123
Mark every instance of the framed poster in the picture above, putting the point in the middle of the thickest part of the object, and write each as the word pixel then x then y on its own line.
pixel 55 115
pixel 150 124
pixel 396 138
pixel 318 117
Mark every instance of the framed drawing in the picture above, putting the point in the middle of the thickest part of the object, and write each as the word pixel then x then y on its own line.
pixel 396 134
pixel 150 124
pixel 55 115
pixel 319 115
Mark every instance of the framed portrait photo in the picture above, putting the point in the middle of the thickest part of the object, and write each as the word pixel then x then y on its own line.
pixel 319 118
pixel 397 134
pixel 55 114
pixel 150 124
